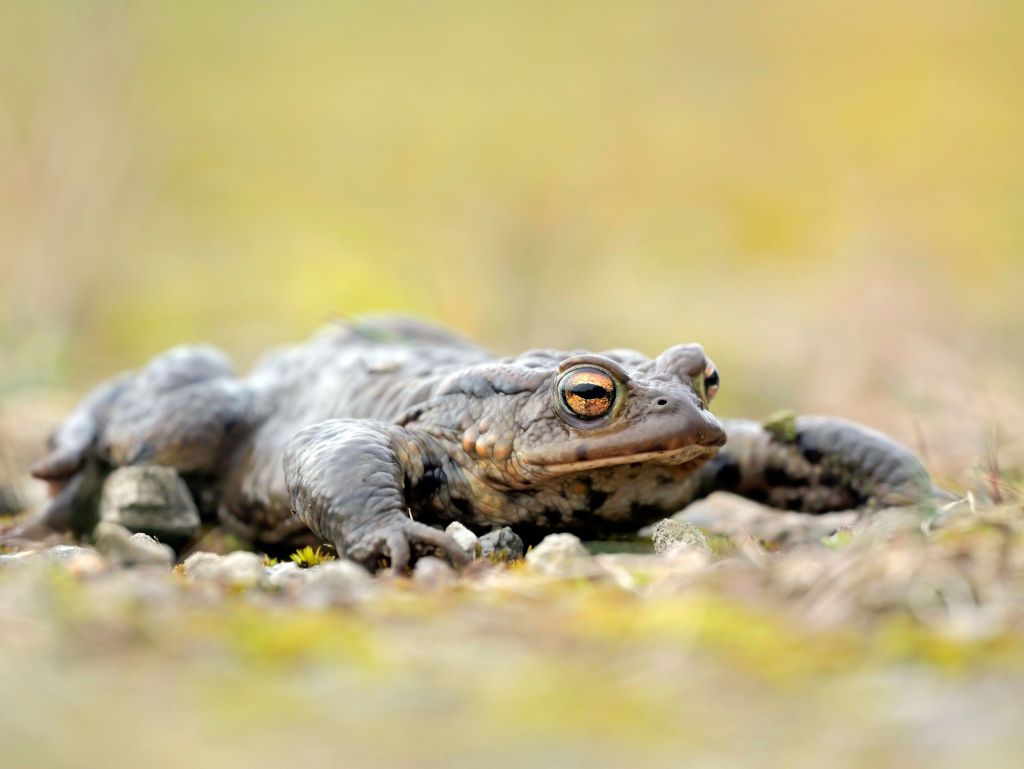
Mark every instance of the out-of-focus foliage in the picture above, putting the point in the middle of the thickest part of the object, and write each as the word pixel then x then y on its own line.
pixel 827 195
pixel 533 173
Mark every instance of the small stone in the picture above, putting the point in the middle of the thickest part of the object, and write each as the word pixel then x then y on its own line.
pixel 465 539
pixel 86 564
pixel 502 545
pixel 433 572
pixel 629 571
pixel 122 547
pixel 152 500
pixel 13 559
pixel 555 552
pixel 731 516
pixel 285 576
pixel 335 582
pixel 77 561
pixel 674 535
pixel 65 552
pixel 883 524
pixel 238 569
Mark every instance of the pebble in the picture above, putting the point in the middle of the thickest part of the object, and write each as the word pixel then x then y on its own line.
pixel 502 545
pixel 238 569
pixel 285 576
pixel 433 572
pixel 883 524
pixel 672 535
pixel 556 552
pixel 152 500
pixel 731 515
pixel 465 539
pixel 335 582
pixel 77 561
pixel 122 547
pixel 86 563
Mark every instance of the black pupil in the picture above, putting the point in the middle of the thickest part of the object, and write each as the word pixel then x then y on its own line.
pixel 711 380
pixel 589 391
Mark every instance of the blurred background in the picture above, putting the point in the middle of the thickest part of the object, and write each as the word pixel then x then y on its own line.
pixel 828 196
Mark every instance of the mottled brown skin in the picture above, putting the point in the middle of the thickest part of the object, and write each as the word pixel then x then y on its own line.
pixel 372 434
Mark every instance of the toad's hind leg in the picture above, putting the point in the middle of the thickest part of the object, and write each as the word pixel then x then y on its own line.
pixel 178 411
pixel 173 390
pixel 185 428
pixel 816 465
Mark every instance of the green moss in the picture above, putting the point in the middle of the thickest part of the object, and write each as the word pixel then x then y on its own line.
pixel 781 426
pixel 307 557
pixel 838 540
pixel 721 545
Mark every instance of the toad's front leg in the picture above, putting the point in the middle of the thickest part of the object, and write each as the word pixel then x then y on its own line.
pixel 347 480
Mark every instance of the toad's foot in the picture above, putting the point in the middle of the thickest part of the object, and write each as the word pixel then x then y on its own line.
pixel 399 540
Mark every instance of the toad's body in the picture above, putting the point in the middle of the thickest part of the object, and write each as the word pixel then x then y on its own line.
pixel 371 434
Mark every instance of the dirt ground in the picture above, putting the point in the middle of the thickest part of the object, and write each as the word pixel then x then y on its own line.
pixel 899 640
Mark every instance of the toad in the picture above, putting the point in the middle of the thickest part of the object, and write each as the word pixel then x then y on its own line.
pixel 374 433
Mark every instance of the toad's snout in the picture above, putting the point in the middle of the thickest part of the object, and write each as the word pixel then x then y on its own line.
pixel 681 420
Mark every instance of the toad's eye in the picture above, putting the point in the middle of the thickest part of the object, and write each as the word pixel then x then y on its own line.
pixel 711 381
pixel 587 391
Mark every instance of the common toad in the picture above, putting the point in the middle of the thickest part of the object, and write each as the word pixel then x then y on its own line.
pixel 375 432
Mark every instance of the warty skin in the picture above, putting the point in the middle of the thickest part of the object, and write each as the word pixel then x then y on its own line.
pixel 374 433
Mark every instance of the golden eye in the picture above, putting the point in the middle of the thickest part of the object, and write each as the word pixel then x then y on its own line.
pixel 587 392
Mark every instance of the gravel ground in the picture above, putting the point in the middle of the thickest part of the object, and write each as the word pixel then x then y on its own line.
pixel 751 639
pixel 881 644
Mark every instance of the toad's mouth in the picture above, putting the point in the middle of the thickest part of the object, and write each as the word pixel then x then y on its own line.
pixel 676 439
pixel 674 456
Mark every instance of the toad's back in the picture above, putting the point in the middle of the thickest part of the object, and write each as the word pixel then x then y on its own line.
pixel 378 369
